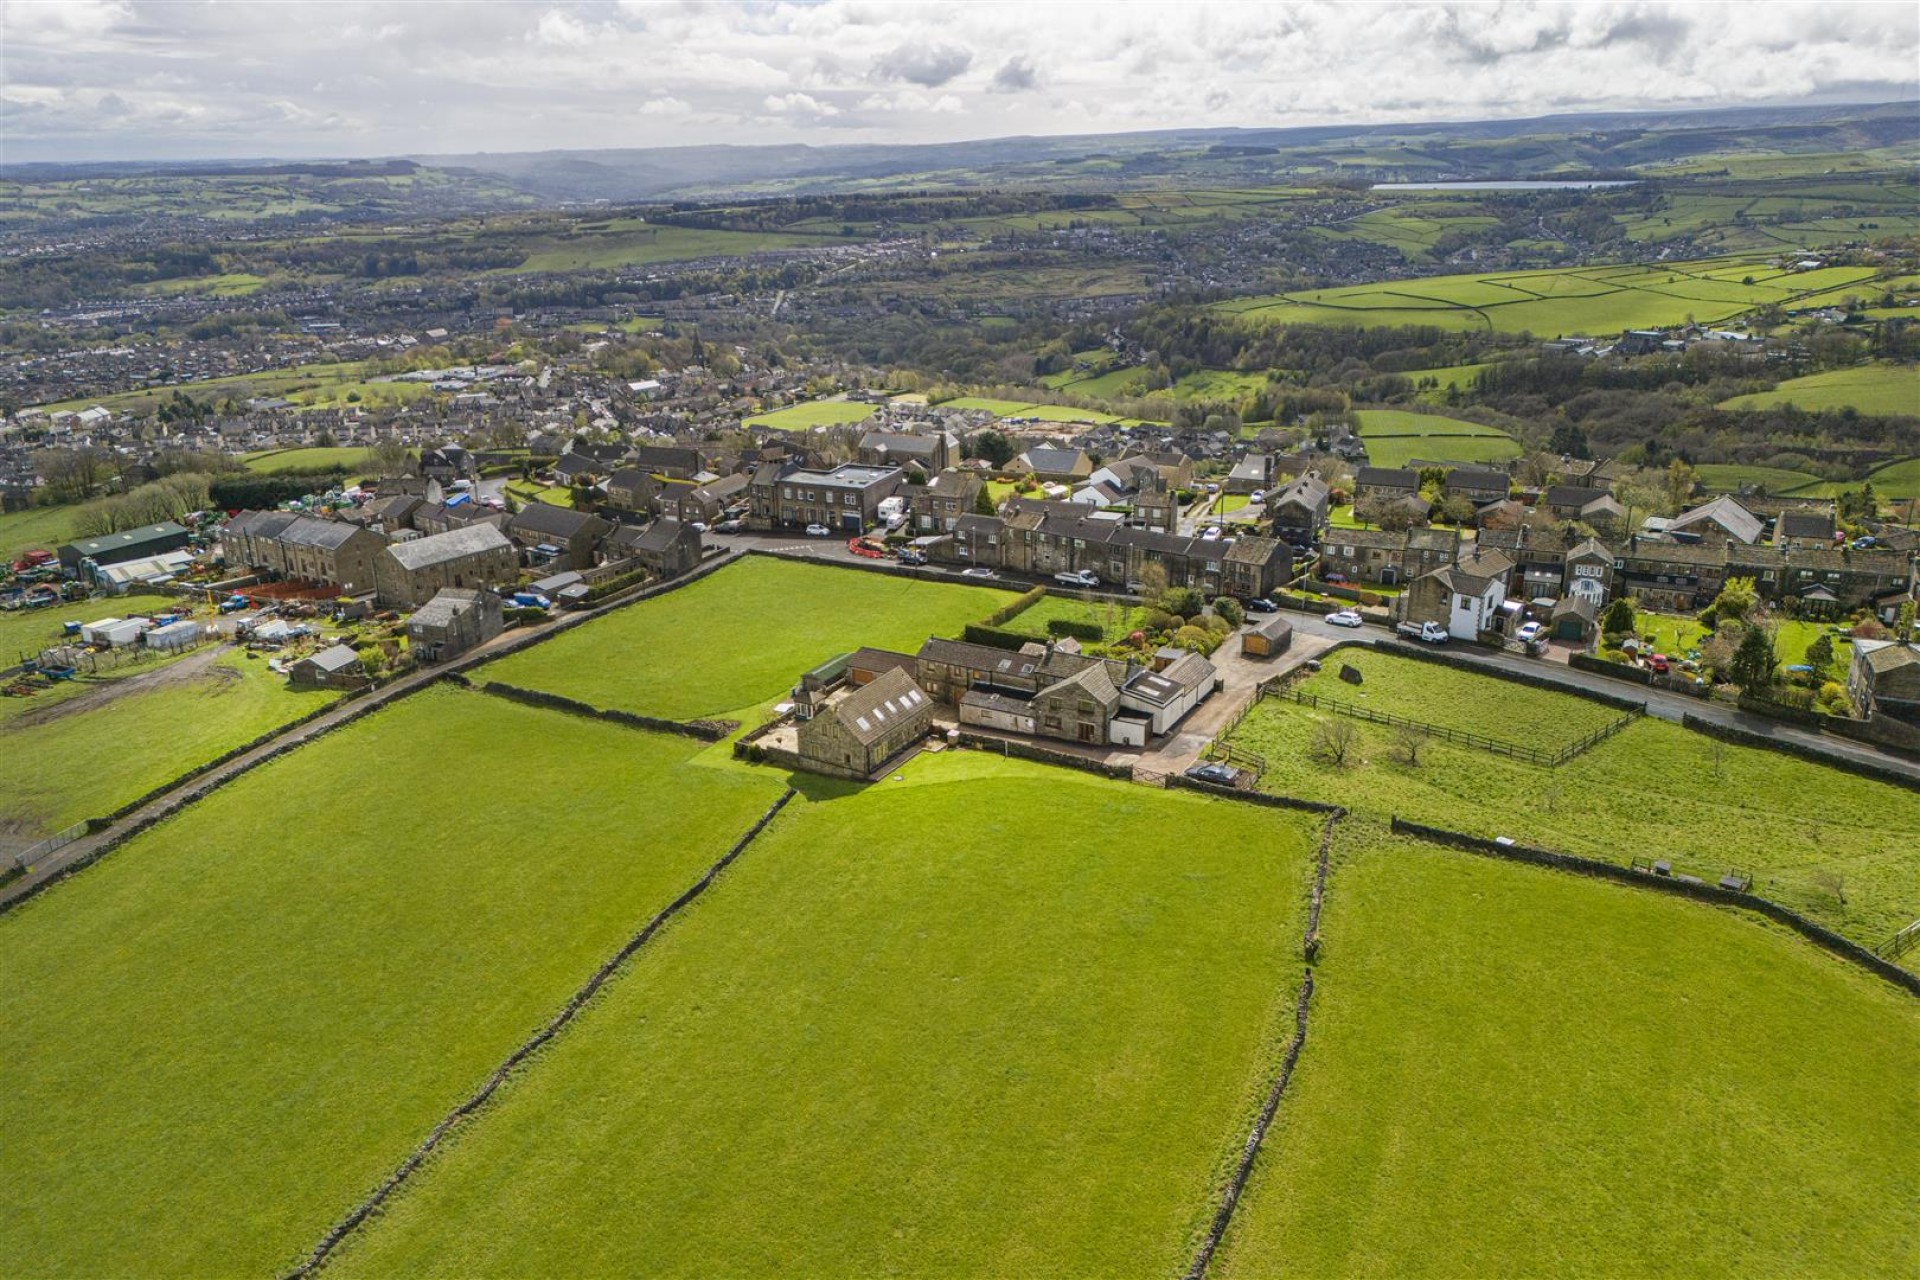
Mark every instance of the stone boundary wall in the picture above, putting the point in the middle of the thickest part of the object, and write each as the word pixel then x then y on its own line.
pixel 1747 738
pixel 558 1023
pixel 1818 934
pixel 1422 653
pixel 1031 751
pixel 704 730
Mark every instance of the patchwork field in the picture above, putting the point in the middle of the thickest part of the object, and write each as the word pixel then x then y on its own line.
pixel 740 637
pixel 1395 438
pixel 312 386
pixel 1588 300
pixel 1875 388
pixel 1654 790
pixel 1508 1074
pixel 216 1040
pixel 83 749
pixel 1894 480
pixel 995 1019
pixel 814 413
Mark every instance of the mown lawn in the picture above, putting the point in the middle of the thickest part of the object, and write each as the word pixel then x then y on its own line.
pixel 996 1019
pixel 814 413
pixel 1514 1072
pixel 1116 621
pixel 1654 790
pixel 221 1037
pixel 87 763
pixel 1454 699
pixel 739 637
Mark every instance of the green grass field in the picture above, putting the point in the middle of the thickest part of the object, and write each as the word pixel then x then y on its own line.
pixel 814 413
pixel 87 763
pixel 1654 790
pixel 995 1019
pixel 315 459
pixel 740 637
pixel 37 528
pixel 1586 300
pixel 312 386
pixel 628 242
pixel 1893 480
pixel 1395 438
pixel 1452 699
pixel 1457 376
pixel 1727 477
pixel 1878 388
pixel 228 1032
pixel 1513 1072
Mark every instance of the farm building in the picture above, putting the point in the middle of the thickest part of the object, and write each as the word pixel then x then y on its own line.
pixel 1266 638
pixel 857 731
pixel 338 667
pixel 408 574
pixel 128 544
pixel 454 621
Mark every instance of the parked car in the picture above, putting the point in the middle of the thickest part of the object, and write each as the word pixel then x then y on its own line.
pixel 699 526
pixel 1077 578
pixel 1210 534
pixel 1136 588
pixel 818 531
pixel 910 556
pixel 1530 632
pixel 1336 577
pixel 1660 664
pixel 1260 604
pixel 1220 775
pixel 727 526
pixel 1425 632
pixel 977 572
pixel 1345 618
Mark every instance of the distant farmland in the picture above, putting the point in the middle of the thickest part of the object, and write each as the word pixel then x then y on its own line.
pixel 813 413
pixel 1594 301
pixel 1395 438
pixel 1875 388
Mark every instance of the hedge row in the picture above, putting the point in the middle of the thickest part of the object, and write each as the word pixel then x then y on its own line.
pixel 1014 608
pixel 1058 627
pixel 975 633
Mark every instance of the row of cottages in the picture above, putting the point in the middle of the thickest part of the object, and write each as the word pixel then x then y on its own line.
pixel 560 535
pixel 303 548
pixel 1047 538
pixel 1051 693
pixel 1389 556
pixel 936 507
pixel 847 498
pixel 932 452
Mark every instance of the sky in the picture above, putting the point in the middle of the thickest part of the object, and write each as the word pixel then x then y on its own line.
pixel 178 79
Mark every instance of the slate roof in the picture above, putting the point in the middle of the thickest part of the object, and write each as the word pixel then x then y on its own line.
pixel 1386 478
pixel 454 544
pixel 1724 512
pixel 338 658
pixel 881 706
pixel 550 521
pixel 311 531
pixel 977 657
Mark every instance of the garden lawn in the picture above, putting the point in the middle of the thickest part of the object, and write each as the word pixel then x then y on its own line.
pixel 224 1035
pixel 993 1020
pixel 814 413
pixel 1515 1072
pixel 1115 621
pixel 1455 699
pixel 740 636
pixel 1878 388
pixel 1653 790
pixel 89 762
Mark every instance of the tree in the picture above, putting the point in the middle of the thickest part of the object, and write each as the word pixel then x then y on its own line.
pixel 1332 739
pixel 1187 602
pixel 1754 662
pixel 1736 599
pixel 390 457
pixel 991 445
pixel 1680 484
pixel 1153 581
pixel 1831 883
pixel 1619 619
pixel 1820 652
pixel 983 502
pixel 1408 739
pixel 1228 608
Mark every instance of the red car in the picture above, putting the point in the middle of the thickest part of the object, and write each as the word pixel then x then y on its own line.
pixel 1659 663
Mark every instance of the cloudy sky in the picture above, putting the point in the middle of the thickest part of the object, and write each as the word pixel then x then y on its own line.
pixel 133 79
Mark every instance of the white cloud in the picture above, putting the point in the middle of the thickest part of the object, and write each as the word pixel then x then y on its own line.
pixel 240 79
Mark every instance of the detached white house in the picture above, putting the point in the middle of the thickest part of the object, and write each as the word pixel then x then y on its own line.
pixel 1464 597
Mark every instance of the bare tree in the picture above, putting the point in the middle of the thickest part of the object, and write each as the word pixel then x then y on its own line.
pixel 1831 883
pixel 1332 739
pixel 390 457
pixel 1408 740
pixel 1717 753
